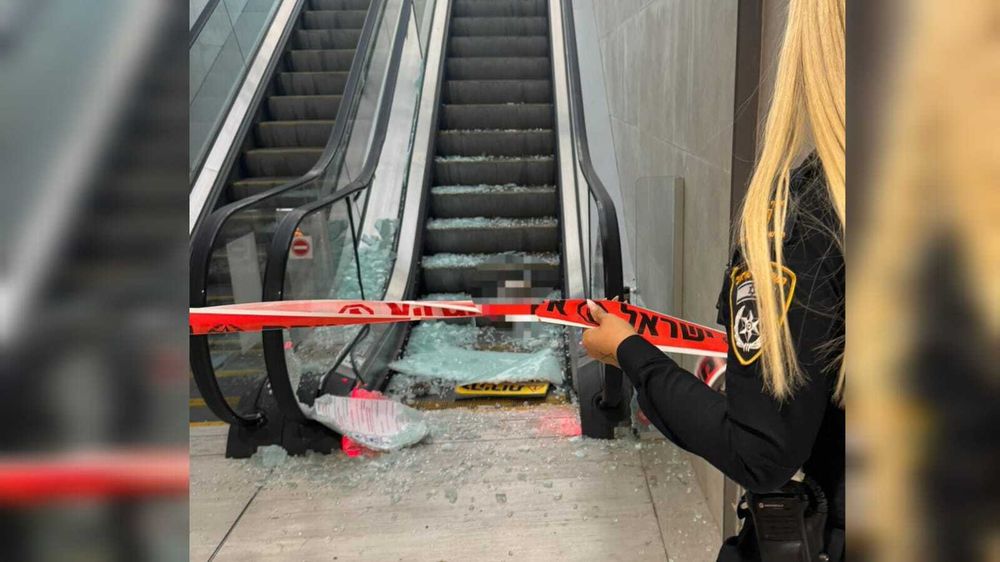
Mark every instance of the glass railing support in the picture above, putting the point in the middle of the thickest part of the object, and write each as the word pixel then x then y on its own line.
pixel 213 241
pixel 612 393
pixel 275 274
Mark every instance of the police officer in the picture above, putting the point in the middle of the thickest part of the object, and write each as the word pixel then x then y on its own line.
pixel 779 428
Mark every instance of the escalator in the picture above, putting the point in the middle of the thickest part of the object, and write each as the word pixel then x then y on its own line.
pixel 492 232
pixel 485 191
pixel 325 75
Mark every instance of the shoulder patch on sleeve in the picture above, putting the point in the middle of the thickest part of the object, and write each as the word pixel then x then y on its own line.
pixel 744 317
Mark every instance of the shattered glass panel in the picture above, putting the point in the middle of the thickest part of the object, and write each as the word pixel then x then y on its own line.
pixel 465 353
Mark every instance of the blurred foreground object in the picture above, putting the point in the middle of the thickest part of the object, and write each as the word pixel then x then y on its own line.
pixel 93 144
pixel 924 302
pixel 32 481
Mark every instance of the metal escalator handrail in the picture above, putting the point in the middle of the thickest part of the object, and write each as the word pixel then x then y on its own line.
pixel 281 242
pixel 607 218
pixel 614 283
pixel 203 242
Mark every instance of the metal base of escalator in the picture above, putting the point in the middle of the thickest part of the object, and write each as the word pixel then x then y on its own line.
pixel 297 438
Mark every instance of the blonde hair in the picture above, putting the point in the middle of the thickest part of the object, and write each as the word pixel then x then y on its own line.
pixel 935 181
pixel 808 99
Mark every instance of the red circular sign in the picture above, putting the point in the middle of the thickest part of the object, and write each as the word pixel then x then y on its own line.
pixel 300 247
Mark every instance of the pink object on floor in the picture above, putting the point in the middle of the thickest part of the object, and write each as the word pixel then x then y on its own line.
pixel 351 447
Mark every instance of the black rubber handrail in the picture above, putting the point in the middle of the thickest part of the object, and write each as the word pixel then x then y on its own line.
pixel 281 242
pixel 607 217
pixel 207 233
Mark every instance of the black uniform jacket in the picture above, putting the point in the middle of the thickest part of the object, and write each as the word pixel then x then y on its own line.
pixel 756 440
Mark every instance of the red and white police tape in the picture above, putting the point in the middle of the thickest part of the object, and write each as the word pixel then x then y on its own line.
pixel 668 333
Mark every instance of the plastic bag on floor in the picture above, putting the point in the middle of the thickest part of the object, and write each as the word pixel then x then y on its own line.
pixel 379 424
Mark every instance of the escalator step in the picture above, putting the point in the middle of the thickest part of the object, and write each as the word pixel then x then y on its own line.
pixel 466 27
pixel 271 162
pixel 276 134
pixel 499 68
pixel 334 19
pixel 466 273
pixel 526 46
pixel 260 223
pixel 295 197
pixel 219 273
pixel 497 91
pixel 490 8
pixel 497 116
pixel 480 235
pixel 219 300
pixel 248 187
pixel 291 108
pixel 539 170
pixel 327 38
pixel 339 4
pixel 519 201
pixel 321 60
pixel 312 83
pixel 496 143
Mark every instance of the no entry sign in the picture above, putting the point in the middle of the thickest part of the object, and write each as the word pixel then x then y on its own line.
pixel 302 248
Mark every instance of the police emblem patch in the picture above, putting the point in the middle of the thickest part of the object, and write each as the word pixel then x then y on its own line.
pixel 744 324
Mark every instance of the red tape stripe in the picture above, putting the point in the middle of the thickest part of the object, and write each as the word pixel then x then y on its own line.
pixel 666 332
pixel 30 481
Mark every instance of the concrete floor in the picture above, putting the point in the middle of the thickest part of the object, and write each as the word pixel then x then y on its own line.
pixel 488 484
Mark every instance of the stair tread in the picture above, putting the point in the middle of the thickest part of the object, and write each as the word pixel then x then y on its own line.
pixel 340 4
pixel 280 149
pixel 464 90
pixel 324 11
pixel 512 131
pixel 488 132
pixel 321 59
pixel 498 45
pixel 485 188
pixel 317 72
pixel 291 122
pixel 498 26
pixel 447 260
pixel 497 116
pixel 356 19
pixel 495 105
pixel 499 80
pixel 500 18
pixel 264 179
pixel 306 96
pixel 465 223
pixel 499 68
pixel 506 60
pixel 341 50
pixel 494 158
pixel 499 8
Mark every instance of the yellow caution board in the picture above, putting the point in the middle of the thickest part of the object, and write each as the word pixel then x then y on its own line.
pixel 530 389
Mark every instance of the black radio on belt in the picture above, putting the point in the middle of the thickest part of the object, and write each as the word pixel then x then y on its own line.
pixel 790 523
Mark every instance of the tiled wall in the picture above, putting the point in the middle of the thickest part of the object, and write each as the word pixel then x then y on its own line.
pixel 669 75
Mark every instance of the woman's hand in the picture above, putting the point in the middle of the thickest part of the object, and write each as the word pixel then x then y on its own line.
pixel 602 342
